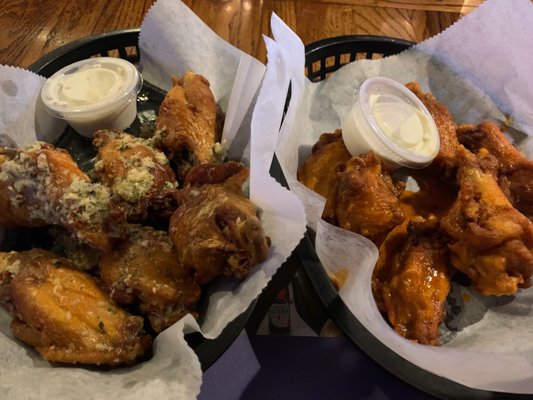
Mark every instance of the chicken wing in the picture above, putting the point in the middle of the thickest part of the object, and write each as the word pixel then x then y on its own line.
pixel 215 229
pixel 515 171
pixel 64 315
pixel 443 165
pixel 367 198
pixel 145 271
pixel 492 242
pixel 412 279
pixel 319 171
pixel 187 123
pixel 41 185
pixel 139 176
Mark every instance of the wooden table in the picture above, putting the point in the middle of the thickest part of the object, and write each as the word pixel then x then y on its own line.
pixel 33 28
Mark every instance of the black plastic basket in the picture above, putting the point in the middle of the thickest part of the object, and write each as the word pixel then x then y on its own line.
pixel 326 56
pixel 124 44
pixel 121 43
pixel 318 299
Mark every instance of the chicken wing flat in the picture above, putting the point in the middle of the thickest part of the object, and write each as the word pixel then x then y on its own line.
pixel 64 315
pixel 139 176
pixel 144 271
pixel 412 279
pixel 515 171
pixel 492 242
pixel 187 123
pixel 41 185
pixel 319 171
pixel 444 164
pixel 367 198
pixel 215 228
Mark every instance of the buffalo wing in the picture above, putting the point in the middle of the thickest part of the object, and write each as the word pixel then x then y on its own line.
pixel 491 241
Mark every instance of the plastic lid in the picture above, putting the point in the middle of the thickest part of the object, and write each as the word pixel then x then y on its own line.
pixel 90 88
pixel 391 121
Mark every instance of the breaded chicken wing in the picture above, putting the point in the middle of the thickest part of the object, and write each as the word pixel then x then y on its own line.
pixel 412 279
pixel 64 315
pixel 492 242
pixel 215 229
pixel 515 171
pixel 367 198
pixel 319 171
pixel 187 123
pixel 145 271
pixel 139 176
pixel 41 185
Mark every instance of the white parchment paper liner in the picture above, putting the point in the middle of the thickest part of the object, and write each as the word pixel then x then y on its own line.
pixel 172 40
pixel 477 68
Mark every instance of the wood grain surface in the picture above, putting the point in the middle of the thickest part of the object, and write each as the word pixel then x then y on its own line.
pixel 32 28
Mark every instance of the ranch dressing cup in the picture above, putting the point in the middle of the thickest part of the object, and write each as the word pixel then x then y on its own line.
pixel 92 94
pixel 388 119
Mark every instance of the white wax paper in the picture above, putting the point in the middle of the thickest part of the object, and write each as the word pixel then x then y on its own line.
pixel 480 68
pixel 172 40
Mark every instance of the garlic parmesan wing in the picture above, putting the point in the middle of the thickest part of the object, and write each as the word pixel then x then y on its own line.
pixel 138 176
pixel 41 185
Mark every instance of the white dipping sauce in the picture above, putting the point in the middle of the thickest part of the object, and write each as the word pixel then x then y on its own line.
pixel 391 121
pixel 98 93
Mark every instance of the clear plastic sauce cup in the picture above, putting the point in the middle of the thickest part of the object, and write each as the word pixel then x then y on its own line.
pixel 92 94
pixel 388 119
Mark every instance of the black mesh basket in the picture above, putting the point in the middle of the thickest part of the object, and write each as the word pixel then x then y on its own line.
pixel 124 44
pixel 326 56
pixel 315 296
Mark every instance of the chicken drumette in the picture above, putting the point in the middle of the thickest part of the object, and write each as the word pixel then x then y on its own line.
pixel 187 123
pixel 64 315
pixel 144 271
pixel 41 185
pixel 215 229
pixel 367 198
pixel 139 176
pixel 412 279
